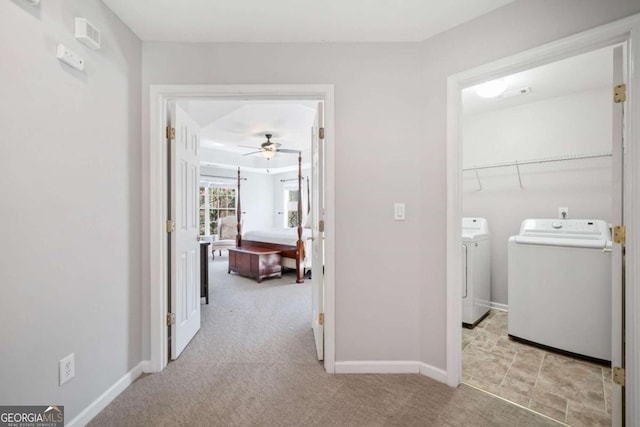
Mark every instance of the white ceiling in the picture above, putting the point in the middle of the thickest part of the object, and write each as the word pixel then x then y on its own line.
pixel 228 125
pixel 296 20
pixel 580 73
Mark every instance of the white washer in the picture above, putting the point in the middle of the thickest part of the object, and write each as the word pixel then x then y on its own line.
pixel 476 270
pixel 559 281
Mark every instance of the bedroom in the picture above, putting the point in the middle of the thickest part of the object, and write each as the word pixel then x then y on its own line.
pixel 254 160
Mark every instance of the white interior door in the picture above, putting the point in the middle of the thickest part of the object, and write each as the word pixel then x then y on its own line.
pixel 317 217
pixel 617 268
pixel 185 247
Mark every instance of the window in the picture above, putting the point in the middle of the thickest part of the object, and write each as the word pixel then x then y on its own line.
pixel 215 202
pixel 291 207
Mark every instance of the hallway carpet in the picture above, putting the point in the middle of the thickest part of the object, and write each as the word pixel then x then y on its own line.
pixel 253 364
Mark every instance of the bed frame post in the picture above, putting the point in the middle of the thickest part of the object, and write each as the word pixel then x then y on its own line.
pixel 300 243
pixel 238 214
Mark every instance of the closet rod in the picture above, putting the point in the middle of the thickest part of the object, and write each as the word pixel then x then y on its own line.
pixel 536 161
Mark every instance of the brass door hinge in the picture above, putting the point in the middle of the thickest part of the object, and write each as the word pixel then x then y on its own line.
pixel 618 376
pixel 321 319
pixel 171 226
pixel 321 133
pixel 620 93
pixel 171 319
pixel 321 226
pixel 171 133
pixel 620 234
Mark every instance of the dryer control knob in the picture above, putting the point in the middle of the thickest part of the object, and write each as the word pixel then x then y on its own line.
pixel 556 225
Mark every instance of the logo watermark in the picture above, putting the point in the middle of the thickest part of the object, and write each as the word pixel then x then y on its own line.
pixel 32 416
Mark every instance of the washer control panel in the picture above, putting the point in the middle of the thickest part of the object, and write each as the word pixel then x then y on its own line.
pixel 566 228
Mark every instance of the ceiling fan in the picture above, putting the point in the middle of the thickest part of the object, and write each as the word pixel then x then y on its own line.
pixel 269 148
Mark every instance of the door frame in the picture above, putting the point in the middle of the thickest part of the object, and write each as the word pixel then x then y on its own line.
pixel 624 30
pixel 157 249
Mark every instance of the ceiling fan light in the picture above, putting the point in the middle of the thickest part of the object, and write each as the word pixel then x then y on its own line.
pixel 268 154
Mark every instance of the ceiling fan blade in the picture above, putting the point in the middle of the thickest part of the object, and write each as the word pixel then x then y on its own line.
pixel 246 146
pixel 286 150
pixel 253 152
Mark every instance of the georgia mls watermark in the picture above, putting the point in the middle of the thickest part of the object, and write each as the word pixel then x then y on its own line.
pixel 32 416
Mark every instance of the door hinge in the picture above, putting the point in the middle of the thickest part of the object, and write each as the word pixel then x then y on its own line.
pixel 171 133
pixel 321 226
pixel 620 93
pixel 321 319
pixel 171 226
pixel 618 376
pixel 321 133
pixel 171 319
pixel 620 234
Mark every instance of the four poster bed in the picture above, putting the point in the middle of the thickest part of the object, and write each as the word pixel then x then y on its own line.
pixel 290 242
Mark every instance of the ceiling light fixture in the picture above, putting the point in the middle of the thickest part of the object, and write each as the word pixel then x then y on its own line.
pixel 491 89
pixel 268 154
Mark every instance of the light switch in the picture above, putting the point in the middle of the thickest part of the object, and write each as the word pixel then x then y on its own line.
pixel 398 212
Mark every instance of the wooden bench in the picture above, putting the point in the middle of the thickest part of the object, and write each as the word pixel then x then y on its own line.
pixel 255 262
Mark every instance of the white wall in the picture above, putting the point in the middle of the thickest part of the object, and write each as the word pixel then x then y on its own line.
pixel 378 105
pixel 390 103
pixel 256 196
pixel 578 123
pixel 70 259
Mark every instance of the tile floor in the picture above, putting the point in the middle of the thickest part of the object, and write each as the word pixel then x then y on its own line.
pixel 572 391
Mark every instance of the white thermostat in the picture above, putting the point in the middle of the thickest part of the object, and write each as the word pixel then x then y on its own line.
pixel 70 58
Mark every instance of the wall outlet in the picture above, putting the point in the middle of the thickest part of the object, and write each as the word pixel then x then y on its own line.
pixel 563 213
pixel 67 368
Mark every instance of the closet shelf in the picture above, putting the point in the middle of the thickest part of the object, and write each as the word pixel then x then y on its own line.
pixel 517 163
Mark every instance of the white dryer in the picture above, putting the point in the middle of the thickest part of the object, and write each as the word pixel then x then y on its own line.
pixel 476 270
pixel 559 283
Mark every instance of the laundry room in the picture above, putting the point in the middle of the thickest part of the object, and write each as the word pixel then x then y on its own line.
pixel 537 146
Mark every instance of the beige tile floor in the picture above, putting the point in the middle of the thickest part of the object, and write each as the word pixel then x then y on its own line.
pixel 569 390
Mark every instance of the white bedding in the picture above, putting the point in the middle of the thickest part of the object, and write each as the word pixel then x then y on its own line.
pixel 282 236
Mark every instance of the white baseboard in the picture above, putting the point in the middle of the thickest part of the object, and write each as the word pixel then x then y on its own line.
pixel 146 366
pixel 378 367
pixel 498 306
pixel 105 398
pixel 391 367
pixel 434 373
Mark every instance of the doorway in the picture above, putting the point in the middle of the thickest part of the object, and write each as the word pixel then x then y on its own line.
pixel 537 154
pixel 251 153
pixel 160 96
pixel 588 41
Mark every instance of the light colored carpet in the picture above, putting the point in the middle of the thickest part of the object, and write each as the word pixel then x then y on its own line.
pixel 253 364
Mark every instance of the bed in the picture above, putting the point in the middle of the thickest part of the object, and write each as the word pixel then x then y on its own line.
pixel 293 243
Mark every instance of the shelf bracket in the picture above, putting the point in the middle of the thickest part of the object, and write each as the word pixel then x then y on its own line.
pixel 519 177
pixel 475 169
